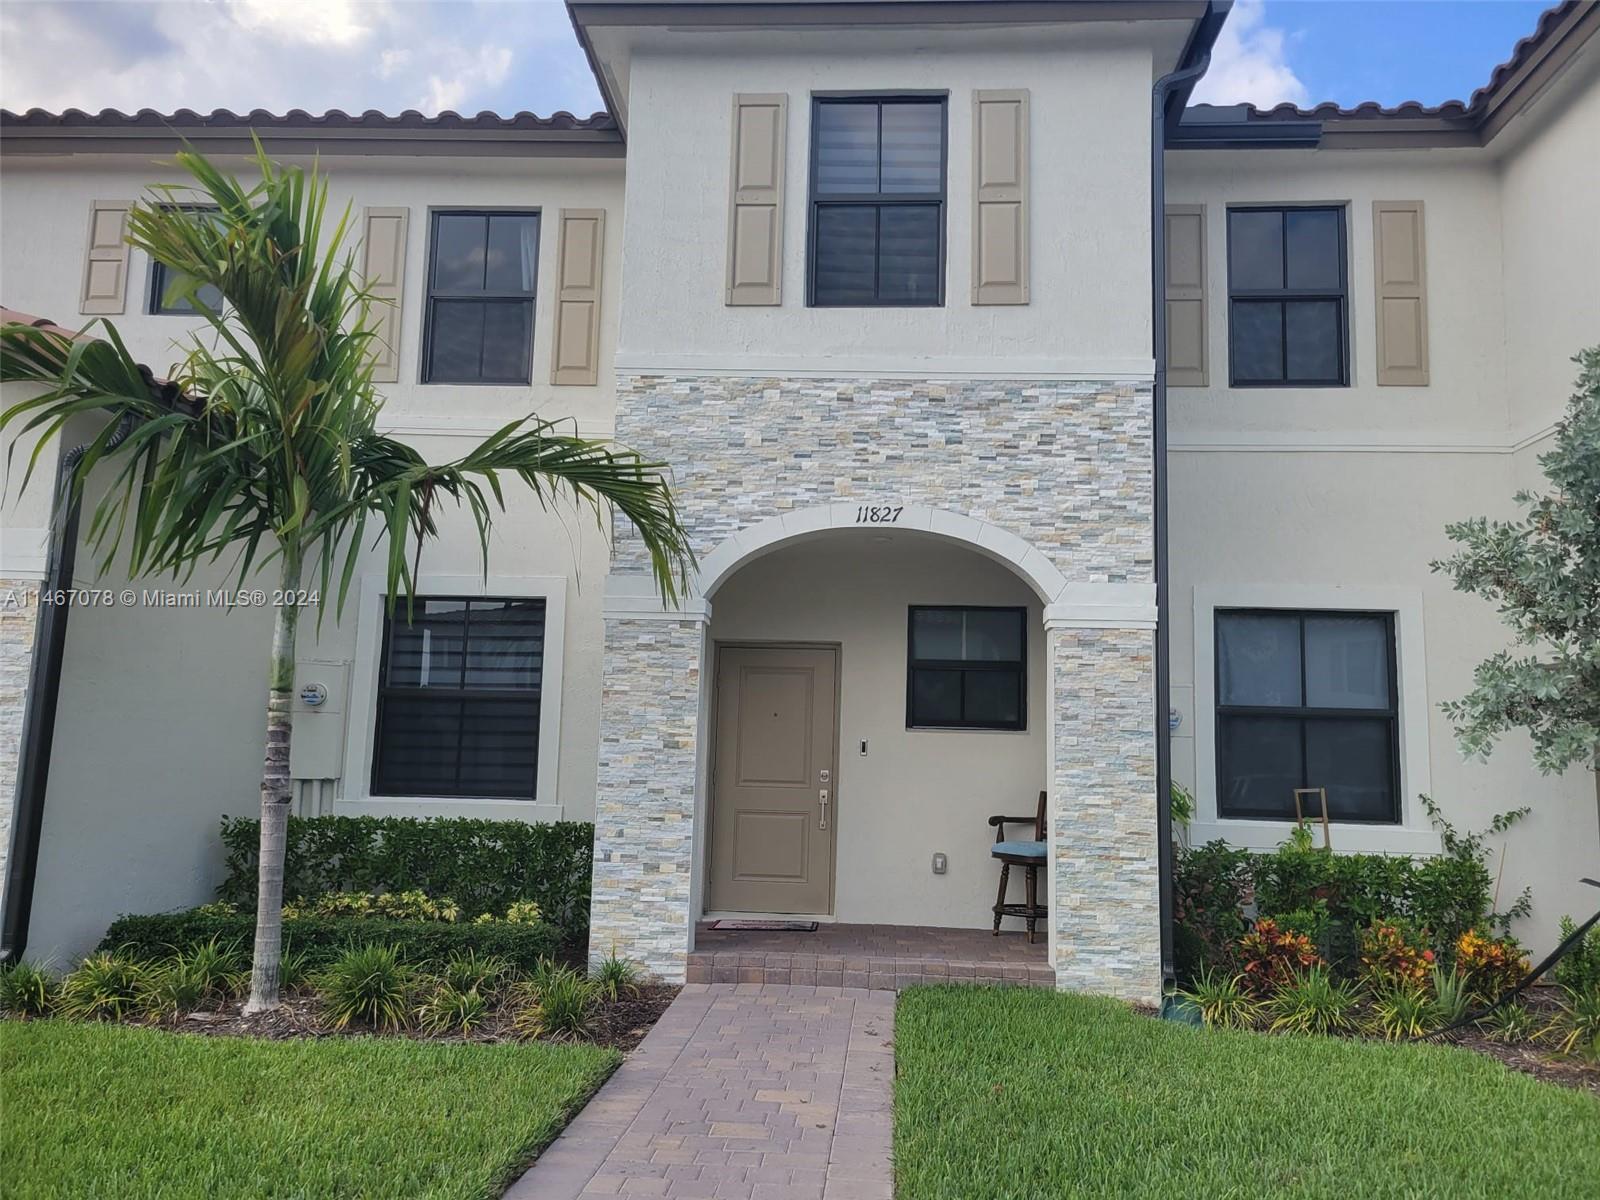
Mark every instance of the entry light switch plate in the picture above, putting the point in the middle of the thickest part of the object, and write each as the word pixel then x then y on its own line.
pixel 940 863
pixel 863 747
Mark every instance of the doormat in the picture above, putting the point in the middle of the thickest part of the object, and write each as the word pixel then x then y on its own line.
pixel 768 926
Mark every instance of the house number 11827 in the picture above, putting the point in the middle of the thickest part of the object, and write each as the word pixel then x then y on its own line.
pixel 878 514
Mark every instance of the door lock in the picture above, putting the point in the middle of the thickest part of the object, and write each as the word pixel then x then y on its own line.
pixel 822 804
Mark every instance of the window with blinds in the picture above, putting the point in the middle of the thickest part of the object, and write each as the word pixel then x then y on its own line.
pixel 458 699
pixel 967 668
pixel 1307 700
pixel 483 268
pixel 877 201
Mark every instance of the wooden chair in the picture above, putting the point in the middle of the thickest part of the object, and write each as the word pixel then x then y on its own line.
pixel 1027 854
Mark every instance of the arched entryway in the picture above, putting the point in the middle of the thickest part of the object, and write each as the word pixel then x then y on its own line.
pixel 817 606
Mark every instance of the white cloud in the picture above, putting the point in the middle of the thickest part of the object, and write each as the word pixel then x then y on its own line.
pixel 1249 64
pixel 467 75
pixel 466 55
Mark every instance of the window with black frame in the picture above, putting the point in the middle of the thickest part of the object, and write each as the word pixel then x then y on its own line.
pixel 1287 302
pixel 458 699
pixel 1307 700
pixel 164 301
pixel 877 201
pixel 967 668
pixel 482 271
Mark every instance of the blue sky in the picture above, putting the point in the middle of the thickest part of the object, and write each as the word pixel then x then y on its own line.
pixel 506 55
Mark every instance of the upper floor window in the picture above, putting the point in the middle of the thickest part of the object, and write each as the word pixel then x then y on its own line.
pixel 164 301
pixel 877 201
pixel 1287 297
pixel 459 690
pixel 481 275
pixel 967 669
pixel 1307 700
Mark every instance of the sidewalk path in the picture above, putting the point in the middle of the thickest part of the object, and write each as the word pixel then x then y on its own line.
pixel 740 1092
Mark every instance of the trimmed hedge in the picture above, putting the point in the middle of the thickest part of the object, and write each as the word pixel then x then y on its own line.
pixel 322 939
pixel 484 866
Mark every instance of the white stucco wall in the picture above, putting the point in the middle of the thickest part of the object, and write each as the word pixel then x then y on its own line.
pixel 916 791
pixel 1549 183
pixel 161 719
pixel 1089 311
pixel 1465 399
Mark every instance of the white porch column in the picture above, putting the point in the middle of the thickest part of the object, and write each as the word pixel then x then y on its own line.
pixel 651 735
pixel 1105 911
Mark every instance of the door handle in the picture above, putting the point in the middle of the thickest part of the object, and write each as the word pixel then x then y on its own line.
pixel 822 804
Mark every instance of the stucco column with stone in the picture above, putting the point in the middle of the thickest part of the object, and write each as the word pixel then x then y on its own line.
pixel 1105 909
pixel 642 902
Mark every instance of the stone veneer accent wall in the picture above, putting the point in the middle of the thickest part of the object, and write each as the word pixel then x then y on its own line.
pixel 18 624
pixel 1064 465
pixel 644 807
pixel 1107 911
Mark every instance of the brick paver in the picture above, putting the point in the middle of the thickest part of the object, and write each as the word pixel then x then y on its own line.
pixel 740 1092
pixel 879 957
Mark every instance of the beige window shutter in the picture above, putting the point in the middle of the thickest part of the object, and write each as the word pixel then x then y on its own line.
pixel 1400 272
pixel 580 268
pixel 1000 197
pixel 1186 296
pixel 105 263
pixel 383 268
pixel 755 199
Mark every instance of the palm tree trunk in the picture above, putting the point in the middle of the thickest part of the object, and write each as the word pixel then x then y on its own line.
pixel 275 795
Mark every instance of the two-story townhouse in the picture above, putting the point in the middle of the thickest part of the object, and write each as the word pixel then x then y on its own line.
pixel 882 282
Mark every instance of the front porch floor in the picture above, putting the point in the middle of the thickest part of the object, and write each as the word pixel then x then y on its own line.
pixel 880 957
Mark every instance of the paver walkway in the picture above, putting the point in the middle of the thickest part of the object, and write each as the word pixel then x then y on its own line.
pixel 740 1092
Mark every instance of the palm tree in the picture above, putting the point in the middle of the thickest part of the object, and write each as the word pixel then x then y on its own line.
pixel 267 445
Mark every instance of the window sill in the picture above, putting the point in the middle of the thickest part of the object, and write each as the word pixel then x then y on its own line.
pixel 488 808
pixel 1356 839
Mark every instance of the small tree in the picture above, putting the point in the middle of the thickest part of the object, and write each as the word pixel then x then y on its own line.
pixel 268 445
pixel 1543 570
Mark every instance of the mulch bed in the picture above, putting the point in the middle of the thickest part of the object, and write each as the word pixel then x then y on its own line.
pixel 619 1025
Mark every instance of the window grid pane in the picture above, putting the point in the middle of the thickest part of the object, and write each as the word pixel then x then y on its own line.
pixel 1306 700
pixel 966 668
pixel 877 202
pixel 481 281
pixel 459 698
pixel 1288 297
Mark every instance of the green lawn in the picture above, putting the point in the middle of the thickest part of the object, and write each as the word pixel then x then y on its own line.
pixel 116 1113
pixel 1016 1093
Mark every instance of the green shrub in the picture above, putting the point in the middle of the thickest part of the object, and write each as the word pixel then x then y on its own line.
pixel 1452 995
pixel 1511 1023
pixel 105 985
pixel 484 866
pixel 169 991
pixel 613 976
pixel 219 966
pixel 449 1009
pixel 27 989
pixel 1210 886
pixel 367 984
pixel 468 970
pixel 1576 1027
pixel 1313 1002
pixel 1223 1001
pixel 294 968
pixel 1580 967
pixel 428 945
pixel 413 905
pixel 1329 896
pixel 1400 1011
pixel 556 1002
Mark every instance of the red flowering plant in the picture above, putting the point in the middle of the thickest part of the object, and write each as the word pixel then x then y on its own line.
pixel 1490 965
pixel 1393 954
pixel 1271 957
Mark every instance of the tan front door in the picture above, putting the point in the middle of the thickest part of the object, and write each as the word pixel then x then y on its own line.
pixel 773 781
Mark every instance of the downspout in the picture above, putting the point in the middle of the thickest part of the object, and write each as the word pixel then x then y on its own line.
pixel 1167 99
pixel 39 716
